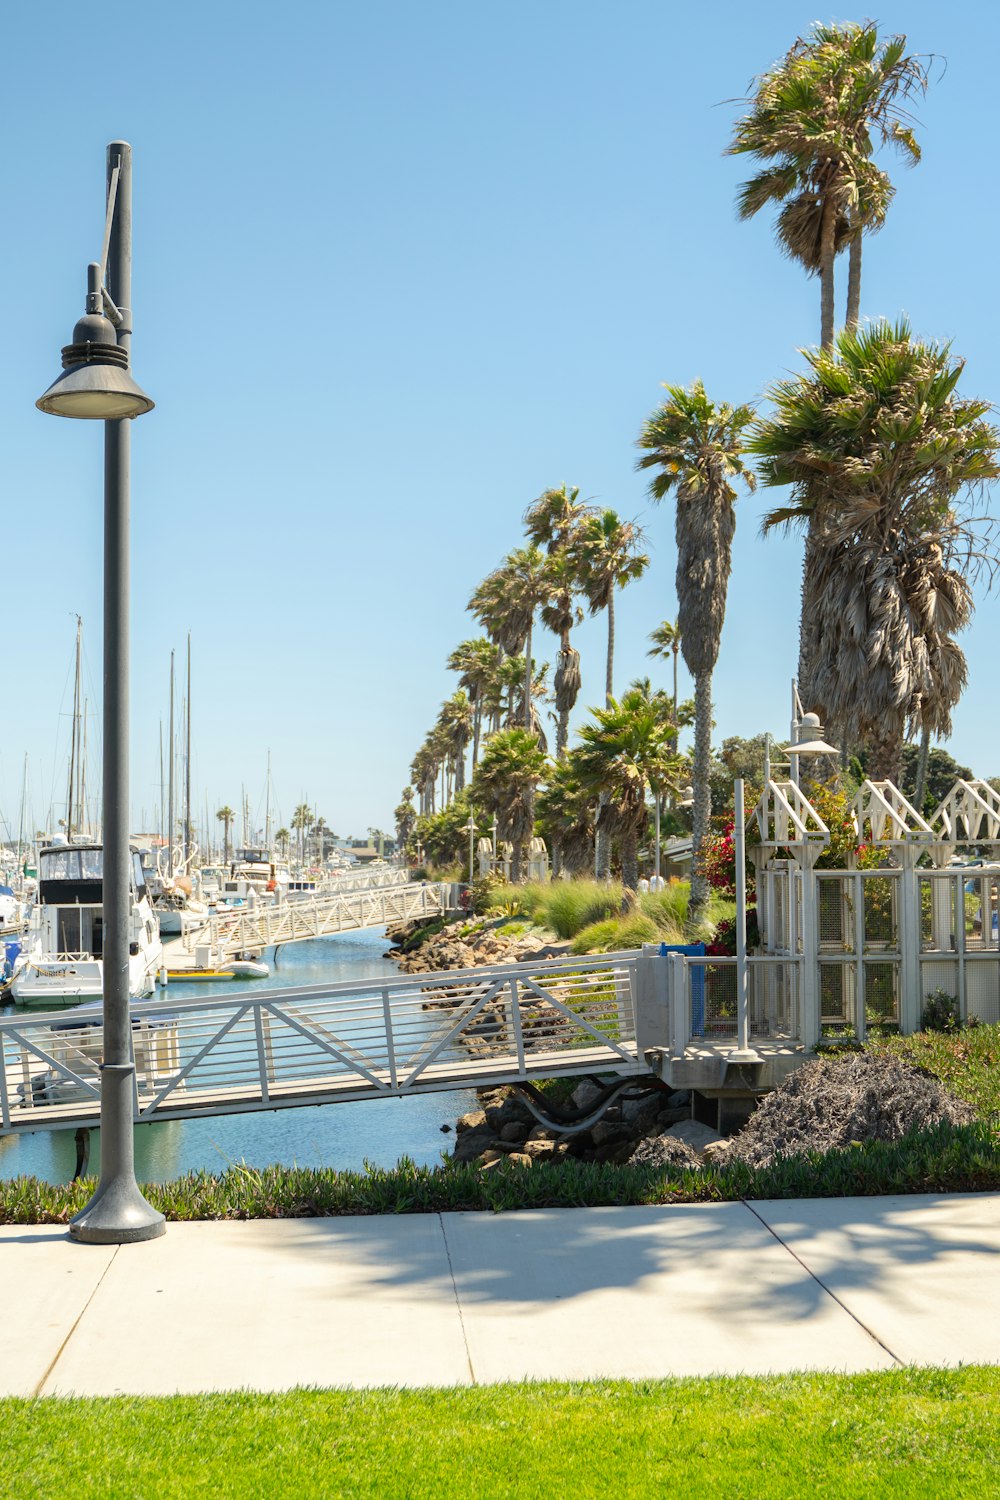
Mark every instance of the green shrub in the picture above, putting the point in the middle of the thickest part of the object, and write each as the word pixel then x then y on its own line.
pixel 572 905
pixel 940 1012
pixel 616 933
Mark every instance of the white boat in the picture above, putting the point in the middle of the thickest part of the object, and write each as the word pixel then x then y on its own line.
pixel 11 910
pixel 61 958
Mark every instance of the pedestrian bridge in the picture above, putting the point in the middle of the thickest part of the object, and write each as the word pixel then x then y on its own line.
pixel 376 903
pixel 317 1044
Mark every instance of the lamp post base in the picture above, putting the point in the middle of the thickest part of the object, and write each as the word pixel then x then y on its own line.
pixel 117 1214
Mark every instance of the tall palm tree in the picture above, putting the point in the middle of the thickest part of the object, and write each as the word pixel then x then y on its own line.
pixel 511 766
pixel 225 816
pixel 609 558
pixel 455 725
pixel 301 820
pixel 666 639
pixel 505 604
pixel 565 813
pixel 560 613
pixel 694 448
pixel 815 119
pixel 554 521
pixel 283 838
pixel 405 817
pixel 623 752
pixel 885 463
pixel 476 663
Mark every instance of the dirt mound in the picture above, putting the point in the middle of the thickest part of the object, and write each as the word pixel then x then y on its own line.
pixel 664 1151
pixel 834 1102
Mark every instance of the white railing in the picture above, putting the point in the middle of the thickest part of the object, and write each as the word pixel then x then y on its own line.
pixel 321 1043
pixel 704 1000
pixel 252 928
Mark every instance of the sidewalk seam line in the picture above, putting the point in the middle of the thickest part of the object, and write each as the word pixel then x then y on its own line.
pixel 458 1301
pixel 79 1318
pixel 821 1283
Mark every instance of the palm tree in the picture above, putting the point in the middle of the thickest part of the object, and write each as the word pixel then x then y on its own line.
pixel 609 558
pixel 666 639
pixel 301 819
pixel 476 663
pixel 225 816
pixel 283 838
pixel 505 604
pixel 622 753
pixel 885 462
pixel 812 120
pixel 565 813
pixel 405 817
pixel 695 448
pixel 455 725
pixel 510 769
pixel 560 613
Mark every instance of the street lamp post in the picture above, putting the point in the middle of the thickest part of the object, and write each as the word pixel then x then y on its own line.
pixel 470 828
pixel 493 828
pixel 96 384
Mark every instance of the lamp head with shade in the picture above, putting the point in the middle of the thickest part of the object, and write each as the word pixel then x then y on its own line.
pixel 95 383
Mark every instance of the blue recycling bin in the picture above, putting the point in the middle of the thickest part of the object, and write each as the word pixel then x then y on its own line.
pixel 693 950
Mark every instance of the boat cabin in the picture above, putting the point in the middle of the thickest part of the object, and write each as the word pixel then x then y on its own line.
pixel 71 888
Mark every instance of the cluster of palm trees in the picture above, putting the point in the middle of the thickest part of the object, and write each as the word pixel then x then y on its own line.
pixel 886 464
pixel 312 833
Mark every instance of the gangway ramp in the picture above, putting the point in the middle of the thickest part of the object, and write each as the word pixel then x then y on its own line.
pixel 253 928
pixel 317 1044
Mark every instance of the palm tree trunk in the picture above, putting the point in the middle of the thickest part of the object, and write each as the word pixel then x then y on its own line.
pixel 630 862
pixel 807 627
pixel 516 861
pixel 609 679
pixel 477 721
pixel 885 754
pixel 922 760
pixel 826 256
pixel 527 680
pixel 459 770
pixel 854 283
pixel 702 811
pixel 673 737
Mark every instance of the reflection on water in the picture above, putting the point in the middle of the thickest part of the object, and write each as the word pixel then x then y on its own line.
pixel 326 1135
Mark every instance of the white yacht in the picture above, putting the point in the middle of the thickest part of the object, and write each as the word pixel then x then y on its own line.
pixel 61 957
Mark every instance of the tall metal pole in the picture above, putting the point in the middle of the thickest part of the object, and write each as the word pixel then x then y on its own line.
pixel 187 767
pixel 117 1213
pixel 170 774
pixel 744 1052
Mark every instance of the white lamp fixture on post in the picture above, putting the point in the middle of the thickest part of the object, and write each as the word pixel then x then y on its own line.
pixel 96 385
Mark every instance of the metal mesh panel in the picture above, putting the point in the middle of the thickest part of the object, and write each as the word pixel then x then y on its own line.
pixel 881 994
pixel 937 913
pixel 835 913
pixel 880 894
pixel 838 996
pixel 774 1000
pixel 982 991
pixel 979 900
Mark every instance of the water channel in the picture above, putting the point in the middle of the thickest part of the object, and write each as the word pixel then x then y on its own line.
pixel 347 1135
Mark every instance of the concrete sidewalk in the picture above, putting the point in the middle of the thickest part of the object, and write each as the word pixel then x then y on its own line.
pixel 455 1299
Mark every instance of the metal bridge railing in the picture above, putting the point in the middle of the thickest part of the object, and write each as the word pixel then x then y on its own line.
pixel 320 1043
pixel 251 929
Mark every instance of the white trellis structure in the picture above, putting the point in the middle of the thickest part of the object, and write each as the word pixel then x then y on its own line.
pixel 871 945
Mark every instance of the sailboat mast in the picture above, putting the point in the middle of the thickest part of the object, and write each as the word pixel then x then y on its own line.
pixel 73 736
pixel 20 816
pixel 187 766
pixel 81 800
pixel 267 806
pixel 170 778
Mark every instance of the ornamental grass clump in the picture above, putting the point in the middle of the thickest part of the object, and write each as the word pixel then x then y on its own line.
pixel 573 905
pixel 835 1103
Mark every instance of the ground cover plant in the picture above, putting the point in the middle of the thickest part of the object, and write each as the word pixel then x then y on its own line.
pixel 898 1433
pixel 949 1158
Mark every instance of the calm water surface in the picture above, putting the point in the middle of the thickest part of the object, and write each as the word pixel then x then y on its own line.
pixel 326 1135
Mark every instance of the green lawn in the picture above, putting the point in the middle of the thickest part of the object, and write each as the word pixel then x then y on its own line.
pixel 903 1433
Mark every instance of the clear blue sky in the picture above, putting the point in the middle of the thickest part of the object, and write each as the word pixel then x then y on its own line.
pixel 398 269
